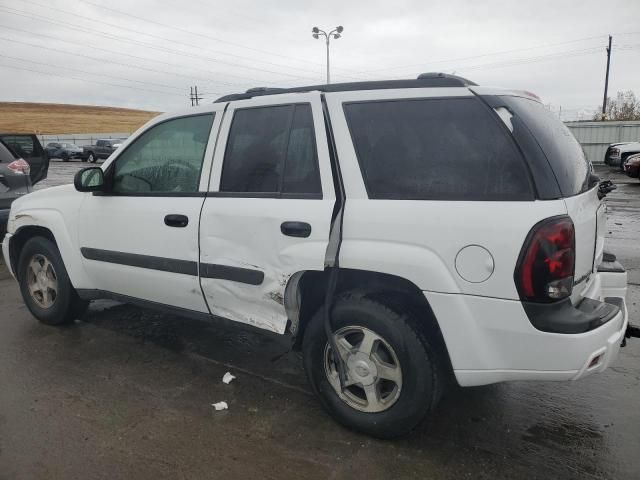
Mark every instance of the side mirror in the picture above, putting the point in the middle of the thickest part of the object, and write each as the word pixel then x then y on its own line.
pixel 89 179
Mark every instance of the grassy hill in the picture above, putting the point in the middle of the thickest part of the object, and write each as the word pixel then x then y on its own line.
pixel 55 118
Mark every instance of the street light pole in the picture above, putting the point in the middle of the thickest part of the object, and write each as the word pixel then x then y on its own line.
pixel 335 33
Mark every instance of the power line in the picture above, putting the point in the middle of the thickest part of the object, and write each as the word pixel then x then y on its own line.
pixel 473 57
pixel 76 27
pixel 90 73
pixel 174 41
pixel 191 32
pixel 102 60
pixel 90 81
pixel 114 52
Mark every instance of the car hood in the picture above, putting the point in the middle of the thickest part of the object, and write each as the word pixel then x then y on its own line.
pixel 629 147
pixel 44 198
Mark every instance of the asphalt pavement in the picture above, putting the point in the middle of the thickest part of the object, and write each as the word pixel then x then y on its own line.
pixel 127 393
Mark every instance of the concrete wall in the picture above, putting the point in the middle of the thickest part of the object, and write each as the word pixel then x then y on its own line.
pixel 595 137
pixel 80 139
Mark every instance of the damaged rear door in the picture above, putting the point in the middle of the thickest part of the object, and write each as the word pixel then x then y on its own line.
pixel 268 211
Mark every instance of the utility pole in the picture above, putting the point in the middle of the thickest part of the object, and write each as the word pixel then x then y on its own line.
pixel 194 97
pixel 606 80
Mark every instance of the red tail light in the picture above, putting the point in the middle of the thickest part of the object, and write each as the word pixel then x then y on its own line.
pixel 19 166
pixel 546 265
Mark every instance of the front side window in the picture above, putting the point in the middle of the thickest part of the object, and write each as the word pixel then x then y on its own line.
pixel 165 159
pixel 272 150
pixel 436 149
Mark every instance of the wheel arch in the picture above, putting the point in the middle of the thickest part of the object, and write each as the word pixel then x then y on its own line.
pixel 305 294
pixel 50 225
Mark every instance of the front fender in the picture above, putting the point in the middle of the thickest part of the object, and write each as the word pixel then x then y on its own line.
pixel 64 229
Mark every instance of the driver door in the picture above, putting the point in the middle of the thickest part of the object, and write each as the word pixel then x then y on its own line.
pixel 140 238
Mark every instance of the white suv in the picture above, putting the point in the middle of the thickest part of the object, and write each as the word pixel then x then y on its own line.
pixel 433 228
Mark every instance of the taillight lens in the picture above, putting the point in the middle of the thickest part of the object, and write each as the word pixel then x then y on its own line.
pixel 19 166
pixel 547 261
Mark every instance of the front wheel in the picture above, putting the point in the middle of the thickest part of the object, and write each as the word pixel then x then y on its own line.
pixel 92 158
pixel 45 285
pixel 393 374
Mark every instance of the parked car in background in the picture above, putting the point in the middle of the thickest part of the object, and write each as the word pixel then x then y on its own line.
pixel 14 182
pixel 617 153
pixel 28 147
pixel 335 214
pixel 102 149
pixel 64 151
pixel 632 166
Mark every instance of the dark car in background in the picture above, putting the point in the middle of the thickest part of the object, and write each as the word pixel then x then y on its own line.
pixel 64 151
pixel 632 166
pixel 102 149
pixel 14 182
pixel 28 147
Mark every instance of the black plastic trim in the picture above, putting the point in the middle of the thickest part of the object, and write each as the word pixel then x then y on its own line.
pixel 186 267
pixel 427 81
pixel 563 317
pixel 235 274
pixel 172 265
pixel 295 196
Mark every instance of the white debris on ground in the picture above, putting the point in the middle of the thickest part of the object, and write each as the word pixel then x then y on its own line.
pixel 220 406
pixel 228 378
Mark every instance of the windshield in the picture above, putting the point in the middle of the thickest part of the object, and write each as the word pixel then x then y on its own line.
pixel 564 153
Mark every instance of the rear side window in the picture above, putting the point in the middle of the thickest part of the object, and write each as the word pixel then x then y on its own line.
pixel 24 145
pixel 272 150
pixel 436 149
pixel 565 155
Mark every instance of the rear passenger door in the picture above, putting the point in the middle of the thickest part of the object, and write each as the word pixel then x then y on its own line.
pixel 268 211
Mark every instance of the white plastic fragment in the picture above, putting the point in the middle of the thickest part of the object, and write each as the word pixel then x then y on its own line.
pixel 228 378
pixel 220 406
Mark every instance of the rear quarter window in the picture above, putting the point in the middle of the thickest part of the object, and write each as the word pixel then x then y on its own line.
pixel 565 155
pixel 436 149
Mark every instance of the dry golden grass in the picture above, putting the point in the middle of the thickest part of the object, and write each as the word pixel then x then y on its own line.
pixel 55 118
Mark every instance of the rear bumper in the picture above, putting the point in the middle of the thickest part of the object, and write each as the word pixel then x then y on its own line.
pixel 492 340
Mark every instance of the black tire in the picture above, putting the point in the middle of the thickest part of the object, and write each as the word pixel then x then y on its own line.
pixel 92 157
pixel 422 377
pixel 67 306
pixel 65 157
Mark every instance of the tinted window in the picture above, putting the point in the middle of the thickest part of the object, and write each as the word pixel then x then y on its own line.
pixel 166 158
pixel 271 150
pixel 24 145
pixel 440 149
pixel 563 151
pixel 301 173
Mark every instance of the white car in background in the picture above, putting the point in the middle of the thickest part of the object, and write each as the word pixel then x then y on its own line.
pixel 617 153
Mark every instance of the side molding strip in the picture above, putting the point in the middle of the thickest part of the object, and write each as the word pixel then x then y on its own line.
pixel 185 267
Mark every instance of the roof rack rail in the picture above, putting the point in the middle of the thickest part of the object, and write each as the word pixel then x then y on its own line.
pixel 424 80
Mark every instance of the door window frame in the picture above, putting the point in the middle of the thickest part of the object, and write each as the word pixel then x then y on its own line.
pixel 226 130
pixel 205 169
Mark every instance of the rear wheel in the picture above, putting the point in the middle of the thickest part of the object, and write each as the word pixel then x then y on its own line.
pixel 45 285
pixel 92 158
pixel 393 374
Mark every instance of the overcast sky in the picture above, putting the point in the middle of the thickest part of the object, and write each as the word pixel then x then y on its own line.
pixel 147 53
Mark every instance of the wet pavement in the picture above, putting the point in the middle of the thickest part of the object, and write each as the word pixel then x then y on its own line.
pixel 127 394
